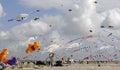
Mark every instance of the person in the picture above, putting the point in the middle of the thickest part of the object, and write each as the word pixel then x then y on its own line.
pixel 2 66
pixel 70 59
pixel 51 56
pixel 62 59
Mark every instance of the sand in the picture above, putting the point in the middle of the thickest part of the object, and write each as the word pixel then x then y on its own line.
pixel 74 66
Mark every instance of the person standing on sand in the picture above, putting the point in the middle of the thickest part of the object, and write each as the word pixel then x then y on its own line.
pixel 51 56
pixel 62 59
pixel 2 66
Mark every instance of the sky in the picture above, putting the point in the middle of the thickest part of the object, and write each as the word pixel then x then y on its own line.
pixel 82 28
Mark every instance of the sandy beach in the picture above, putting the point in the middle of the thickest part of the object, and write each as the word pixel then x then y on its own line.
pixel 74 66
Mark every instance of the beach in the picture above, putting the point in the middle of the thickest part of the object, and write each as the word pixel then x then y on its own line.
pixel 74 66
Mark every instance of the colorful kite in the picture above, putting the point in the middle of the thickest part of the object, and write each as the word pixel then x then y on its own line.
pixel 33 47
pixel 3 55
pixel 12 61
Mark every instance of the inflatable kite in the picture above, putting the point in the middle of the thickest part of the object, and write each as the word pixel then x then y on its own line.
pixel 12 61
pixel 3 54
pixel 33 47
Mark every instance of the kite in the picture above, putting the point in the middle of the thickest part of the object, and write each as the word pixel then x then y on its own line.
pixel 102 26
pixel 86 58
pixel 12 61
pixel 89 36
pixel 25 57
pixel 70 10
pixel 109 34
pixel 90 30
pixel 74 40
pixel 22 17
pixel 95 2
pixel 110 26
pixel 33 47
pixel 10 20
pixel 3 54
pixel 35 11
pixel 36 19
pixel 50 25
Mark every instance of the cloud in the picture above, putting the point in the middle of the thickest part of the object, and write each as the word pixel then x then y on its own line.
pixel 73 21
pixel 1 11
pixel 19 36
pixel 54 32
pixel 112 19
pixel 103 5
pixel 46 4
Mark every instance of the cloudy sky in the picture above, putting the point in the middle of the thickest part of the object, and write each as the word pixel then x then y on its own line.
pixel 65 27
